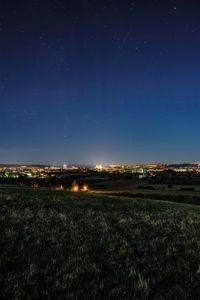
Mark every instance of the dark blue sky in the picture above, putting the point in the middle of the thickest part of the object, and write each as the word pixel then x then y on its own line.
pixel 99 81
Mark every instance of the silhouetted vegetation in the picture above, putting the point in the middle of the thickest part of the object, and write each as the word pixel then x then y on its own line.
pixel 188 189
pixel 146 187
pixel 173 178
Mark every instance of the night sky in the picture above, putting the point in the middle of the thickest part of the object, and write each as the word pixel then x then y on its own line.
pixel 102 81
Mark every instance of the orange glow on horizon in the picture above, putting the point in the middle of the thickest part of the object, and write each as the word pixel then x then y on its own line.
pixel 85 188
pixel 74 186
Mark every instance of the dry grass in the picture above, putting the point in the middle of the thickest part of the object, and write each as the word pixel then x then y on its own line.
pixel 59 245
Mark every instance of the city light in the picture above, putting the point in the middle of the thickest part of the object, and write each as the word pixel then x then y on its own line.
pixel 99 167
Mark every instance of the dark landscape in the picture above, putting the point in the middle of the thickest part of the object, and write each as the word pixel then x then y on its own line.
pixel 99 150
pixel 64 245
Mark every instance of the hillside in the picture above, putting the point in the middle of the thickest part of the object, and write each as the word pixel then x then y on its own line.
pixel 62 245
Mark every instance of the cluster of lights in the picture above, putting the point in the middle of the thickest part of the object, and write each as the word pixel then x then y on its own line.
pixel 76 188
pixel 99 167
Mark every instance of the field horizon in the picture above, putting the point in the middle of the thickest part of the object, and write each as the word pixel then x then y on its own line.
pixel 63 245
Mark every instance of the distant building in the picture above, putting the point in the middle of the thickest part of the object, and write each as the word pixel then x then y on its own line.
pixel 142 176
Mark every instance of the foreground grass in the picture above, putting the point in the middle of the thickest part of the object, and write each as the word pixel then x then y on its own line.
pixel 59 245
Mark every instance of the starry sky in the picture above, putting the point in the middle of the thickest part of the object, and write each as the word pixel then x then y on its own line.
pixel 99 81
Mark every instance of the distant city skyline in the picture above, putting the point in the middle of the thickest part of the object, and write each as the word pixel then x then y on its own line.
pixel 99 82
pixel 66 166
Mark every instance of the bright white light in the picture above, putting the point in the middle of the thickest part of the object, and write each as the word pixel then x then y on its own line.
pixel 99 167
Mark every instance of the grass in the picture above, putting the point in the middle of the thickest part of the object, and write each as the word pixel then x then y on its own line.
pixel 62 245
pixel 175 193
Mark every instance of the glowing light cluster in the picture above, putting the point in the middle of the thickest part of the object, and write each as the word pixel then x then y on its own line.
pixel 85 188
pixel 74 186
pixel 99 167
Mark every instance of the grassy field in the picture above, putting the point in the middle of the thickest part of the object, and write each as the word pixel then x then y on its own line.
pixel 134 189
pixel 62 245
pixel 133 186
